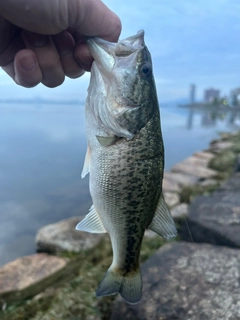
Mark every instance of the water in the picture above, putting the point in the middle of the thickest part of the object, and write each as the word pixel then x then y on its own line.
pixel 42 150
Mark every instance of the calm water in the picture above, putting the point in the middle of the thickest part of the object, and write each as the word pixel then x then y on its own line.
pixel 42 149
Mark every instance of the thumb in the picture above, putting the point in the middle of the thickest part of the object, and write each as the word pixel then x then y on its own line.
pixel 88 17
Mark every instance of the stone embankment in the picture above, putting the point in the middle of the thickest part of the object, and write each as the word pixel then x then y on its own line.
pixel 189 282
pixel 196 278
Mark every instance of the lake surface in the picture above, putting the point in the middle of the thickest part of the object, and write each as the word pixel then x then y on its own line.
pixel 42 150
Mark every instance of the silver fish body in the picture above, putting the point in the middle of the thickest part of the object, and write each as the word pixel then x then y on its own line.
pixel 125 159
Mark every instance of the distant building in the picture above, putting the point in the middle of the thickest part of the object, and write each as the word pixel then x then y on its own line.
pixel 235 97
pixel 192 93
pixel 211 94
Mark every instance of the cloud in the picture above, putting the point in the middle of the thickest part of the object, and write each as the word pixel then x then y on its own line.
pixel 188 41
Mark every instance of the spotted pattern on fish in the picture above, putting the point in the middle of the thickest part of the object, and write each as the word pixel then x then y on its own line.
pixel 130 189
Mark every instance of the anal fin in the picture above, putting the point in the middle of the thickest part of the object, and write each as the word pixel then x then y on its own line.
pixel 91 223
pixel 162 222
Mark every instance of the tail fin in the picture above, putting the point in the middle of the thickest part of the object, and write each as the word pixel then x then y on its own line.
pixel 129 286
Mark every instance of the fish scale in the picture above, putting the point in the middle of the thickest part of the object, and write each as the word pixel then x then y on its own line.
pixel 125 159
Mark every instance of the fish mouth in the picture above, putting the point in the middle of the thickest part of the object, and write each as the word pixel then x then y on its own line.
pixel 105 52
pixel 136 42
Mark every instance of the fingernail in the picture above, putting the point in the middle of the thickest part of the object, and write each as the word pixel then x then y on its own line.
pixel 36 39
pixel 28 62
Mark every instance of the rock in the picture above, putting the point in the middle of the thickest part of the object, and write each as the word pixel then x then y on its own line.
pixel 196 161
pixel 29 275
pixel 208 182
pixel 180 211
pixel 204 155
pixel 195 168
pixel 226 135
pixel 150 234
pixel 169 185
pixel 237 164
pixel 171 198
pixel 232 184
pixel 216 219
pixel 182 179
pixel 218 146
pixel 62 236
pixel 224 162
pixel 187 282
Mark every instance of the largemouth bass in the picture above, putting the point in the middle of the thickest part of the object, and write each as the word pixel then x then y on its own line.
pixel 125 159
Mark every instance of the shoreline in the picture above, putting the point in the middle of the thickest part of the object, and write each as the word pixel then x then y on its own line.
pixel 201 173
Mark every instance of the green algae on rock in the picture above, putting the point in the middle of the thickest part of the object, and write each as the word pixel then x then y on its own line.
pixel 76 299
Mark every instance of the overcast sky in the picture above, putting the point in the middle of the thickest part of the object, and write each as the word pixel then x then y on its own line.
pixel 190 41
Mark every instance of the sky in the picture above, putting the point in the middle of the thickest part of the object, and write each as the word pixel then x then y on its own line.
pixel 190 42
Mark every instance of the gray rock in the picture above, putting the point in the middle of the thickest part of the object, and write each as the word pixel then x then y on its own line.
pixel 226 135
pixel 171 198
pixel 62 236
pixel 216 219
pixel 207 182
pixel 29 275
pixel 204 155
pixel 197 160
pixel 169 185
pixel 180 211
pixel 194 166
pixel 187 282
pixel 218 146
pixel 232 184
pixel 182 179
pixel 237 164
pixel 150 234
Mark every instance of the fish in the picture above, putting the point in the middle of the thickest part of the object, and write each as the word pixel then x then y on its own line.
pixel 124 158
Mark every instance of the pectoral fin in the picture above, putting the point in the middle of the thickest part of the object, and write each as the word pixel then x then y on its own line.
pixel 91 223
pixel 86 166
pixel 162 222
pixel 107 141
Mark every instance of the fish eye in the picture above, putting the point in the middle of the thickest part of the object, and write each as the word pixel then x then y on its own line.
pixel 145 69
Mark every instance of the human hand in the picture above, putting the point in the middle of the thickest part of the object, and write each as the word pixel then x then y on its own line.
pixel 42 41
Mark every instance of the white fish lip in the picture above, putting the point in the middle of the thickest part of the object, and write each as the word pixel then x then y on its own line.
pixel 136 41
pixel 102 52
pixel 105 52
